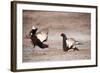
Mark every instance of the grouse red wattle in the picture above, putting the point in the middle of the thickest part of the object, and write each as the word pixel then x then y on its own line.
pixel 38 38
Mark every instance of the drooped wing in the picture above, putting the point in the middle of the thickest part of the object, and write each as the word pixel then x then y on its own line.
pixel 70 42
pixel 42 36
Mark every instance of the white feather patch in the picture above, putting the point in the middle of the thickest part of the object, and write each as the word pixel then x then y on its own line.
pixel 33 27
pixel 42 36
pixel 31 34
pixel 70 42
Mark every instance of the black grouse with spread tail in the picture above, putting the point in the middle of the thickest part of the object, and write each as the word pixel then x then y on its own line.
pixel 38 38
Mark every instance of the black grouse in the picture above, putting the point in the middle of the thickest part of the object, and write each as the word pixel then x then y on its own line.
pixel 38 38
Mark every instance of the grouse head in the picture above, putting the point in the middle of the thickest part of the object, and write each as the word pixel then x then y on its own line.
pixel 34 30
pixel 63 35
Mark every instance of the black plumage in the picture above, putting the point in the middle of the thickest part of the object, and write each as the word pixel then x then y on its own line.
pixel 69 43
pixel 37 39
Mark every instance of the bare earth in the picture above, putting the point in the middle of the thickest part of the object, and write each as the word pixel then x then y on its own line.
pixel 56 55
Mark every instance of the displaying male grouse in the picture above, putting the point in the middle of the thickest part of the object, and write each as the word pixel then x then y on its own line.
pixel 38 38
pixel 69 43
